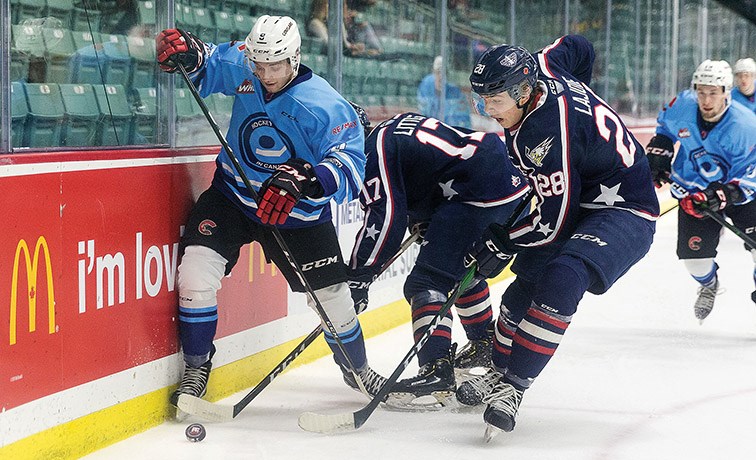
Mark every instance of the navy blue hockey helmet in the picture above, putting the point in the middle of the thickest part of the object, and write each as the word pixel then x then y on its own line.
pixel 504 68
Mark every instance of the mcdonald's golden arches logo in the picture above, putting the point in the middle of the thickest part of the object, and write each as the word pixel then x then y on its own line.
pixel 32 267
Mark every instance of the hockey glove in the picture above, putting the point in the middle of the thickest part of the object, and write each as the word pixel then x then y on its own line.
pixel 175 46
pixel 284 188
pixel 715 198
pixel 359 290
pixel 492 252
pixel 659 152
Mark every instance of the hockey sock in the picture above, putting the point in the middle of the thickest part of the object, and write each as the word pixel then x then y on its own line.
pixel 425 306
pixel 354 344
pixel 703 270
pixel 196 331
pixel 474 310
pixel 514 304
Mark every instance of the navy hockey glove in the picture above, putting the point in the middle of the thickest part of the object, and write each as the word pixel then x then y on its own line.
pixel 715 198
pixel 176 46
pixel 492 252
pixel 284 188
pixel 359 290
pixel 659 152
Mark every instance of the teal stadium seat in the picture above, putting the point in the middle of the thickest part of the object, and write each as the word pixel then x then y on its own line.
pixel 142 51
pixel 145 112
pixel 115 123
pixel 146 14
pixel 83 65
pixel 81 115
pixel 61 10
pixel 225 27
pixel 243 24
pixel 28 9
pixel 85 19
pixel 59 48
pixel 19 113
pixel 46 113
pixel 205 26
pixel 118 65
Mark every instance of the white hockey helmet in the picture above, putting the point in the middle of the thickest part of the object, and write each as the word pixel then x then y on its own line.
pixel 746 65
pixel 273 39
pixel 713 73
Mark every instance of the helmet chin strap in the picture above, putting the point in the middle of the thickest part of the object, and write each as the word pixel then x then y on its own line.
pixel 525 106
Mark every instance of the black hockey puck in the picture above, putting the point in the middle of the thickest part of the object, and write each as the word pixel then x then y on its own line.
pixel 195 432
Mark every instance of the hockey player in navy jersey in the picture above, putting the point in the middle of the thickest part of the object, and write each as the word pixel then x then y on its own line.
pixel 454 182
pixel 745 81
pixel 594 218
pixel 301 145
pixel 714 168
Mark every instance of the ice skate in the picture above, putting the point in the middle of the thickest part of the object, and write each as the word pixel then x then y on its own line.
pixel 500 414
pixel 476 353
pixel 471 392
pixel 705 301
pixel 193 383
pixel 431 389
pixel 372 380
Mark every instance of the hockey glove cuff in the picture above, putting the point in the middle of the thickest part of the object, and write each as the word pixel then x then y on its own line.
pixel 359 290
pixel 659 152
pixel 175 46
pixel 289 183
pixel 492 252
pixel 715 198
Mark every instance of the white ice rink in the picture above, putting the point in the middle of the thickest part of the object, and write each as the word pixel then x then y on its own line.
pixel 635 378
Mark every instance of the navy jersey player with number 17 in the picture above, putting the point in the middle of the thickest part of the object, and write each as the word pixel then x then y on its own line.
pixel 594 218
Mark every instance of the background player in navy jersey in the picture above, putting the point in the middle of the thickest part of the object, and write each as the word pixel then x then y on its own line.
pixel 715 168
pixel 456 182
pixel 745 83
pixel 594 218
pixel 301 145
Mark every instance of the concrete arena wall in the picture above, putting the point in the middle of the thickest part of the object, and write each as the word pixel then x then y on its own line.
pixel 98 365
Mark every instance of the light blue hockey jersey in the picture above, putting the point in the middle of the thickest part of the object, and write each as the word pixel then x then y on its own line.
pixel 748 101
pixel 725 154
pixel 307 120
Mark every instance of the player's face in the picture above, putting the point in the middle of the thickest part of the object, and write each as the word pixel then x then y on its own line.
pixel 502 108
pixel 711 101
pixel 745 80
pixel 274 75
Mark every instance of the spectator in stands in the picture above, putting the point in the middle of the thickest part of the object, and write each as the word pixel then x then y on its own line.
pixel 745 78
pixel 317 27
pixel 361 31
pixel 456 104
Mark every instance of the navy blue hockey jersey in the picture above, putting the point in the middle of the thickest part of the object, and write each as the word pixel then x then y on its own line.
pixel 574 150
pixel 414 163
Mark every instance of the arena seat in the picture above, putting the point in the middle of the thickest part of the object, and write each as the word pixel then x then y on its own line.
pixel 115 123
pixel 46 113
pixel 81 115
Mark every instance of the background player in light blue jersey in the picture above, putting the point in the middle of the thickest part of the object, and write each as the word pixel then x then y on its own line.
pixel 745 83
pixel 714 168
pixel 301 145
pixel 594 216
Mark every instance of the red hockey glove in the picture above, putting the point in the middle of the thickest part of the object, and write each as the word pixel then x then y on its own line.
pixel 176 46
pixel 284 188
pixel 492 252
pixel 659 152
pixel 715 198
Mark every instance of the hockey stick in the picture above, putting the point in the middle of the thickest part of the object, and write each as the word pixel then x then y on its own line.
pixel 276 233
pixel 345 422
pixel 223 413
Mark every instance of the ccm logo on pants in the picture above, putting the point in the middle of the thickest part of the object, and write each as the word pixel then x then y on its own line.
pixel 320 263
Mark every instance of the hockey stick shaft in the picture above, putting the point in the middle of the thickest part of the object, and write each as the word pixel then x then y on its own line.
pixel 276 233
pixel 739 233
pixel 318 423
pixel 222 413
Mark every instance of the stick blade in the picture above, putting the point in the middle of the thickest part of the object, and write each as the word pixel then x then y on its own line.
pixel 327 423
pixel 205 409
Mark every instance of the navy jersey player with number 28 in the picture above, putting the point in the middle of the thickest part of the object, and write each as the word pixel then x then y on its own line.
pixel 594 217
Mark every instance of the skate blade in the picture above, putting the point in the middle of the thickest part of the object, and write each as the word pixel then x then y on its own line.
pixel 462 374
pixel 490 433
pixel 408 402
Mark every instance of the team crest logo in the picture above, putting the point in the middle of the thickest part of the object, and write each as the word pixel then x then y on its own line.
pixel 263 146
pixel 683 133
pixel 537 154
pixel 509 60
pixel 245 88
pixel 709 165
pixel 206 227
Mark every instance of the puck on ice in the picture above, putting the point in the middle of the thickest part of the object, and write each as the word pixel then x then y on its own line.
pixel 195 432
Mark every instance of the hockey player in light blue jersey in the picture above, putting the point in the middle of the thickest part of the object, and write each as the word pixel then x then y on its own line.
pixel 714 168
pixel 745 83
pixel 301 145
